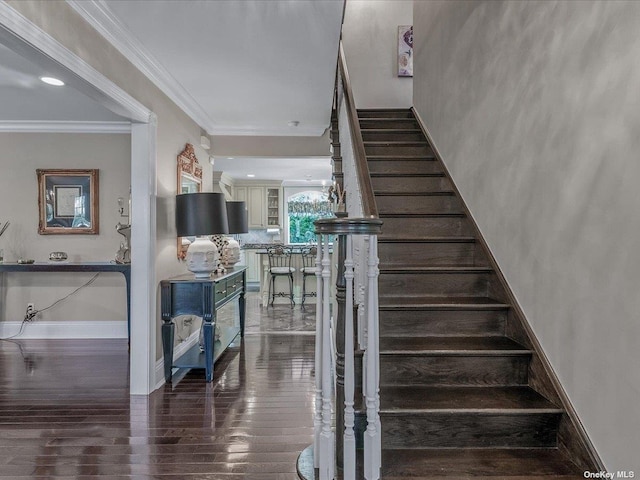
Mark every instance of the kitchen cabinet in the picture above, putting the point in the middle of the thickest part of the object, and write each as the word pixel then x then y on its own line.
pixel 252 261
pixel 256 204
pixel 263 204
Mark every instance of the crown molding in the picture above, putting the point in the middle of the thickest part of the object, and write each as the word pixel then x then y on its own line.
pixel 103 20
pixel 28 126
pixel 29 40
pixel 269 131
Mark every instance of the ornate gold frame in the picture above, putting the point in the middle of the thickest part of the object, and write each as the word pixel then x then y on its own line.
pixel 191 171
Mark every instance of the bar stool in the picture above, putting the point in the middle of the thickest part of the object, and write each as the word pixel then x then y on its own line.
pixel 280 266
pixel 308 269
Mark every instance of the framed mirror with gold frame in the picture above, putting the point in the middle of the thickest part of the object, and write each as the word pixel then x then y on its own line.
pixel 189 181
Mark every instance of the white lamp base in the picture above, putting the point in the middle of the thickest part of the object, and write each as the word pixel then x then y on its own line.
pixel 230 252
pixel 202 257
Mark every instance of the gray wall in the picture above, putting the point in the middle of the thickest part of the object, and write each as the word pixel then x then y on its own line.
pixel 535 108
pixel 370 39
pixel 22 154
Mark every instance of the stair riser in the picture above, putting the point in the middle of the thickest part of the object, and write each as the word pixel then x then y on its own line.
pixel 393 136
pixel 453 430
pixel 426 254
pixel 415 323
pixel 404 166
pixel 382 113
pixel 336 150
pixel 453 369
pixel 337 165
pixel 425 227
pixel 434 284
pixel 390 123
pixel 422 204
pixel 410 184
pixel 398 149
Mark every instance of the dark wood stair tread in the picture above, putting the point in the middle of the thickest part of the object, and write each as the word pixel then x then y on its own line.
pixel 439 269
pixel 450 345
pixel 390 158
pixel 433 193
pixel 424 302
pixel 467 463
pixel 395 399
pixel 422 215
pixel 451 239
pixel 407 175
pixel 390 130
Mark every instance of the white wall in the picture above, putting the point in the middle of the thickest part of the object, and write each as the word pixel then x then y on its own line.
pixel 175 128
pixel 535 108
pixel 23 153
pixel 370 40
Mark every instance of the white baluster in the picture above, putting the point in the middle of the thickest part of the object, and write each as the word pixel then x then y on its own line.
pixel 372 435
pixel 317 418
pixel 327 436
pixel 349 462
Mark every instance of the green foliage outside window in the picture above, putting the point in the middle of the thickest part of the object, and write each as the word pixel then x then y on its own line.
pixel 303 209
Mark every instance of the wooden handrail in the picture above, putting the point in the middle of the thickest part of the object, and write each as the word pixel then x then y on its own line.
pixel 369 207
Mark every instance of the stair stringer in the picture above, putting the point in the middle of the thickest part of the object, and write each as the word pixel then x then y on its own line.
pixel 573 439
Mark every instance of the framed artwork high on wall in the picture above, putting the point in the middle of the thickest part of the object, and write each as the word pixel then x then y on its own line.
pixel 405 51
pixel 68 201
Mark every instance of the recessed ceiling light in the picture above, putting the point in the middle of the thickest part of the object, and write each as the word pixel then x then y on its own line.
pixel 52 81
pixel 229 158
pixel 250 175
pixel 293 123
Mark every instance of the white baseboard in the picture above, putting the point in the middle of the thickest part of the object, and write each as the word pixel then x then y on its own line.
pixel 82 329
pixel 177 351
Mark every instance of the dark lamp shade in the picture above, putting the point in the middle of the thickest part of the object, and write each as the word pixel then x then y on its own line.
pixel 238 217
pixel 201 214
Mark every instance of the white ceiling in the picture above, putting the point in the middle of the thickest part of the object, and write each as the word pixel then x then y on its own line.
pixel 244 67
pixel 25 98
pixel 237 67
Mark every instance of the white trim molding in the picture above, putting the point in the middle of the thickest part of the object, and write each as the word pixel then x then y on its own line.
pixel 79 329
pixel 28 126
pixel 100 17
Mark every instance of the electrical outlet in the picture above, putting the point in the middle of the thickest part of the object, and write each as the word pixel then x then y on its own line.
pixel 30 307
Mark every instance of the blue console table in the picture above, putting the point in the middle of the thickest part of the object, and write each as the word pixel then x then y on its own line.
pixel 124 269
pixel 187 295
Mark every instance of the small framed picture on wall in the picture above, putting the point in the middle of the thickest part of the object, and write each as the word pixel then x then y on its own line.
pixel 68 201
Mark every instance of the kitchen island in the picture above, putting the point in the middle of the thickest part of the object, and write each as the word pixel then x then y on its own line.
pixel 262 264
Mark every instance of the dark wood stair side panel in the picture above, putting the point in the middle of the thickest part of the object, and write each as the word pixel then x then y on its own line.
pixel 506 464
pixel 469 430
pixel 385 113
pixel 433 283
pixel 427 253
pixel 410 226
pixel 410 183
pixel 445 370
pixel 441 322
pixel 418 204
pixel 407 165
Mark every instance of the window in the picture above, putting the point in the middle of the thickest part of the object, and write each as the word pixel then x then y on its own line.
pixel 304 208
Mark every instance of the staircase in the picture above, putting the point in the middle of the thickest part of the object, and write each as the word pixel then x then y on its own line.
pixel 456 389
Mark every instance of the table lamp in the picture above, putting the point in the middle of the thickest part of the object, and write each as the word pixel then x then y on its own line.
pixel 200 215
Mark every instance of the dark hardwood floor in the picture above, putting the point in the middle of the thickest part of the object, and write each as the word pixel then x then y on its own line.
pixel 66 413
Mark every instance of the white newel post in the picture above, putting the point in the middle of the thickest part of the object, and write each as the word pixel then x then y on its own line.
pixel 372 435
pixel 317 419
pixel 327 437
